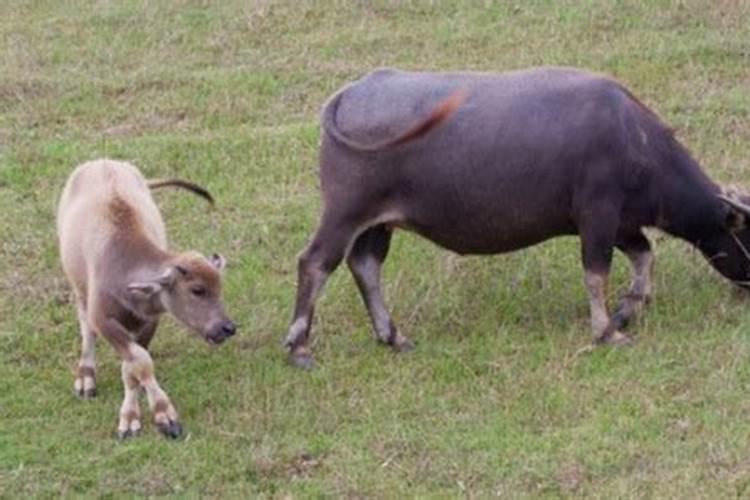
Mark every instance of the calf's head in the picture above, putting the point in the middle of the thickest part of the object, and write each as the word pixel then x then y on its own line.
pixel 190 288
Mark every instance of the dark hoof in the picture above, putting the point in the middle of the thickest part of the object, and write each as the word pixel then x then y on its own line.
pixel 403 344
pixel 620 319
pixel 85 395
pixel 123 435
pixel 172 430
pixel 302 360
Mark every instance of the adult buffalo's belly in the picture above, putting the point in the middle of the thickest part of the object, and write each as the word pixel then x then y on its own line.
pixel 486 221
pixel 485 239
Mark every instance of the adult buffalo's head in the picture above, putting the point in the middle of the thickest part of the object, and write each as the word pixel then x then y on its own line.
pixel 728 250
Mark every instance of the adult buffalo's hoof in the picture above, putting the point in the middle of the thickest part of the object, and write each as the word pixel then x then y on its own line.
pixel 616 339
pixel 302 359
pixel 127 434
pixel 171 429
pixel 402 344
pixel 621 318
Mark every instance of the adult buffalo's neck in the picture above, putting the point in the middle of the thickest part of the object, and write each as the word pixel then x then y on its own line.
pixel 689 208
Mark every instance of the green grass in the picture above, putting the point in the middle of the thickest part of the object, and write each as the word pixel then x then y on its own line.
pixel 498 400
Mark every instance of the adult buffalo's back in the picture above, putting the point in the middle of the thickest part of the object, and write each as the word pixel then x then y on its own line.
pixel 487 163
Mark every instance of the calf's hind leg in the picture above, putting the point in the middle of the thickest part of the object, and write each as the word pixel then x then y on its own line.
pixel 321 257
pixel 365 261
pixel 85 382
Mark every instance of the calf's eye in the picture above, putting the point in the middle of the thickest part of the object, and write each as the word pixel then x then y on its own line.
pixel 198 291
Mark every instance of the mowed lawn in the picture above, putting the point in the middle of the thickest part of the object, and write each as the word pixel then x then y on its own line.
pixel 501 397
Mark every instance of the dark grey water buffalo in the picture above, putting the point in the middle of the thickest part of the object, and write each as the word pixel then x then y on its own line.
pixel 490 163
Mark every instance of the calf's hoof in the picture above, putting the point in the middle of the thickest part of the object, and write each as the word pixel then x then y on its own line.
pixel 301 358
pixel 171 429
pixel 165 418
pixel 130 425
pixel 85 394
pixel 127 434
pixel 85 383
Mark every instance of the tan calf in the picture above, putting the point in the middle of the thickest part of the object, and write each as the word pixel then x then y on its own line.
pixel 114 252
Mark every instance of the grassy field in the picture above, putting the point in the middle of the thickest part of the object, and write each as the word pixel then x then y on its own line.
pixel 499 399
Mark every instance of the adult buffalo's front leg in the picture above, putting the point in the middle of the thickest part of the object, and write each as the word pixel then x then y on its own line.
pixel 138 371
pixel 638 250
pixel 365 262
pixel 598 230
pixel 321 257
pixel 603 329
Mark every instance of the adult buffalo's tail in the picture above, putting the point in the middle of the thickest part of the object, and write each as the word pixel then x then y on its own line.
pixel 189 186
pixel 439 114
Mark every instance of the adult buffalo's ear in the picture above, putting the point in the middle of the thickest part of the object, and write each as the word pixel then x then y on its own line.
pixel 737 213
pixel 149 288
pixel 218 261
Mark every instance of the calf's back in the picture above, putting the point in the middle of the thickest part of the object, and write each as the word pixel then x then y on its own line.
pixel 103 200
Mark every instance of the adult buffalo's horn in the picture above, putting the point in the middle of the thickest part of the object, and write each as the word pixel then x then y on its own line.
pixel 745 209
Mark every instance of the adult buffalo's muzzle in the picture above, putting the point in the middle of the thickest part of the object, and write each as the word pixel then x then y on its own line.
pixel 222 332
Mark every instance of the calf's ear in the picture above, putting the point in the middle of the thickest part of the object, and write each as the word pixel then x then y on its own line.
pixel 149 288
pixel 218 261
pixel 144 289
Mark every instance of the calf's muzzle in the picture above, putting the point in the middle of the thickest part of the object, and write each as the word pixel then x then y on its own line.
pixel 221 332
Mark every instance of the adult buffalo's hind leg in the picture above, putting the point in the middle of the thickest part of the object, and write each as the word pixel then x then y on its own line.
pixel 365 261
pixel 638 250
pixel 321 257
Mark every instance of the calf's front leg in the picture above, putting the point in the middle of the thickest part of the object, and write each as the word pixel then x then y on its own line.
pixel 138 371
pixel 146 333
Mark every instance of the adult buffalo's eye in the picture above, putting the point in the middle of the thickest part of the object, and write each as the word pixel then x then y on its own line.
pixel 198 291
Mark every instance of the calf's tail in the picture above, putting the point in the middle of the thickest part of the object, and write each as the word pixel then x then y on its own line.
pixel 189 186
pixel 438 115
